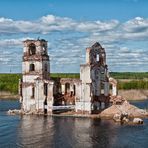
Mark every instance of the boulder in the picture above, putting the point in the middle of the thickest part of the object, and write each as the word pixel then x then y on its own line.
pixel 14 112
pixel 117 117
pixel 137 121
pixel 123 118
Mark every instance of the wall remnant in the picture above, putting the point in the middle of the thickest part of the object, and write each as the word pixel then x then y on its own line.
pixel 89 94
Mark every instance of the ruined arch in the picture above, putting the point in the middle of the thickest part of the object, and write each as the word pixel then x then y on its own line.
pixel 67 87
pixel 113 84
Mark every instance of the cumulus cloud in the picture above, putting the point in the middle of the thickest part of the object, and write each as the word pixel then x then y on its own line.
pixel 9 26
pixel 44 25
pixel 4 43
pixel 49 23
pixel 113 29
pixel 68 38
pixel 96 26
pixel 136 25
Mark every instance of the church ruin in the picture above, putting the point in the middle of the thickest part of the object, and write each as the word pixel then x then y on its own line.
pixel 39 93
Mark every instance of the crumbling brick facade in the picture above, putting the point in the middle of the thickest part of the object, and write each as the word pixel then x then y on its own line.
pixel 39 93
pixel 36 83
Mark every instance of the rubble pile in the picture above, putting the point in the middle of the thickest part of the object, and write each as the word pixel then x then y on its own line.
pixel 117 99
pixel 122 109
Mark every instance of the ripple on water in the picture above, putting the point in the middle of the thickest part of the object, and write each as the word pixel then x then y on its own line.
pixel 68 132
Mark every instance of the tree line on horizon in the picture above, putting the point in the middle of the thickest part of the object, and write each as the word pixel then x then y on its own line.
pixel 9 82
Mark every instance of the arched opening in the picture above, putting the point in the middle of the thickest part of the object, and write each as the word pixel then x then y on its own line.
pixel 102 88
pixel 32 49
pixel 33 92
pixel 32 67
pixel 113 86
pixel 97 57
pixel 45 89
pixel 74 88
pixel 45 106
pixel 44 50
pixel 67 88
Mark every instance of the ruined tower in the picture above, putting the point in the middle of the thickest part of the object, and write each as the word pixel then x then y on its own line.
pixel 36 88
pixel 90 93
pixel 95 80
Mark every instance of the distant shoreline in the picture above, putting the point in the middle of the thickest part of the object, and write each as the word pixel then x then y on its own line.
pixel 130 95
pixel 134 94
pixel 7 95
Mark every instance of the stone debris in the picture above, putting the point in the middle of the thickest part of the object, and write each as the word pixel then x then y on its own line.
pixel 117 99
pixel 137 121
pixel 123 118
pixel 15 112
pixel 115 111
pixel 117 117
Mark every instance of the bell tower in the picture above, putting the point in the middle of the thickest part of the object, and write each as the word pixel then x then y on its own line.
pixel 36 88
pixel 35 60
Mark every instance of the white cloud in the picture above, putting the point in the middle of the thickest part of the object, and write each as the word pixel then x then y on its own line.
pixel 49 23
pixel 137 24
pixel 109 30
pixel 4 43
pixel 68 38
pixel 96 26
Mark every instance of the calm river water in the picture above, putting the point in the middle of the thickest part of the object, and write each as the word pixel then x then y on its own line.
pixel 68 132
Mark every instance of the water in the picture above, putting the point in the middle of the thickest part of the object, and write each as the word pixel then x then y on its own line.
pixel 68 132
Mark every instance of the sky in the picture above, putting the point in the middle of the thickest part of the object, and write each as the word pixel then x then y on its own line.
pixel 70 26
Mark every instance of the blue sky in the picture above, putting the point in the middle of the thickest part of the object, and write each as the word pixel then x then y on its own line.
pixel 69 26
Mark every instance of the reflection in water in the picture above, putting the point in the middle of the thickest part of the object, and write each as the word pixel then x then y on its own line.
pixel 63 132
pixel 36 131
pixel 67 132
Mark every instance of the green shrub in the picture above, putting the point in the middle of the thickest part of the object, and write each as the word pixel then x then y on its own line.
pixel 9 82
pixel 140 84
pixel 129 75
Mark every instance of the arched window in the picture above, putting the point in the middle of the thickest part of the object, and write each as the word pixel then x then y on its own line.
pixel 44 50
pixel 32 67
pixel 97 58
pixel 33 92
pixel 45 89
pixel 32 49
pixel 67 88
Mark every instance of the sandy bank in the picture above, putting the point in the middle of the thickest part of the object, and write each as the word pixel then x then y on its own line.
pixel 8 95
pixel 131 110
pixel 134 94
